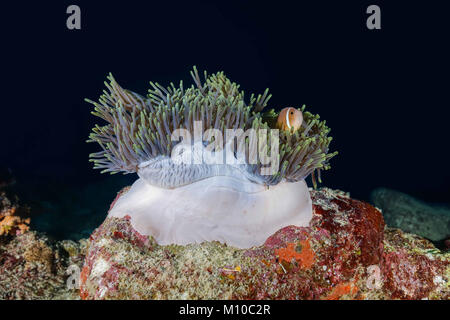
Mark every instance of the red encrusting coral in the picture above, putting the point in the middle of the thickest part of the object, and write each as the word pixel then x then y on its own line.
pixel 340 290
pixel 300 252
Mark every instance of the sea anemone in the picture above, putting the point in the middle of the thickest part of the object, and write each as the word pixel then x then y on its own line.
pixel 184 194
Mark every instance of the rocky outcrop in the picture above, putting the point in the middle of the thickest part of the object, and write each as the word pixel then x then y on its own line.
pixel 34 267
pixel 411 215
pixel 345 253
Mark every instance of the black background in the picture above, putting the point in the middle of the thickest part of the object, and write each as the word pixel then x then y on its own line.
pixel 384 93
pixel 278 308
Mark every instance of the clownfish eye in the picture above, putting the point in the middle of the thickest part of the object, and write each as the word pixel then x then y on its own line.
pixel 292 112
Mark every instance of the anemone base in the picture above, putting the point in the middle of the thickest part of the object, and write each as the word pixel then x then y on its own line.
pixel 221 208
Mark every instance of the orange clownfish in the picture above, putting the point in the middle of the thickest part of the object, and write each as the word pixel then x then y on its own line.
pixel 289 118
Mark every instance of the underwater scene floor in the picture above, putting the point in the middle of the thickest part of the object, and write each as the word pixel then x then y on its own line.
pixel 43 252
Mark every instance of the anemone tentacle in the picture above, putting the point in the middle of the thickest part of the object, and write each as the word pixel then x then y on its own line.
pixel 138 129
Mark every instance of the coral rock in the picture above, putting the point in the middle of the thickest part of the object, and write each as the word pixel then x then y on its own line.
pixel 34 267
pixel 345 253
pixel 411 215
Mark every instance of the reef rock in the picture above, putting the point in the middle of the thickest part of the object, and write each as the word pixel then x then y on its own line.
pixel 345 253
pixel 411 215
pixel 34 267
